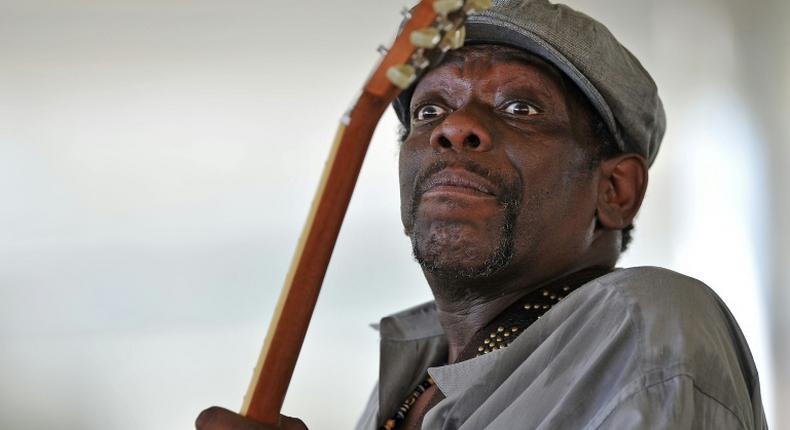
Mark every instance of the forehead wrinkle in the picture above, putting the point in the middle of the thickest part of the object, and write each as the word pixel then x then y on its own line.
pixel 447 85
pixel 496 54
pixel 530 79
pixel 484 55
pixel 514 56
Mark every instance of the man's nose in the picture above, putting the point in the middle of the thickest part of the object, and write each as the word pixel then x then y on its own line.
pixel 461 131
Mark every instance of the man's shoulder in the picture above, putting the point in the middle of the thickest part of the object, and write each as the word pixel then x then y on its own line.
pixel 644 278
pixel 666 307
pixel 672 321
pixel 656 290
pixel 682 329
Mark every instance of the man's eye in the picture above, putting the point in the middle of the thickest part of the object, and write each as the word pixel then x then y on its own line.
pixel 521 108
pixel 429 112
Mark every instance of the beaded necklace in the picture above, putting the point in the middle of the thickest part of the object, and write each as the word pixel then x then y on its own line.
pixel 404 408
pixel 501 332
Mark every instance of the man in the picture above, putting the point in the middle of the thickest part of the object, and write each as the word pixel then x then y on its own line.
pixel 523 164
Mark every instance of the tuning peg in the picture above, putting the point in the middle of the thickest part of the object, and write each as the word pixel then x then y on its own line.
pixel 402 75
pixel 477 5
pixel 454 39
pixel 405 12
pixel 425 38
pixel 419 61
pixel 383 50
pixel 444 7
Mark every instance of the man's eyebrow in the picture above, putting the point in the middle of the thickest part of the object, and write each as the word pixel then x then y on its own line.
pixel 441 92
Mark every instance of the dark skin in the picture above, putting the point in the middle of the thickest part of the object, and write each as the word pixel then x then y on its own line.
pixel 499 147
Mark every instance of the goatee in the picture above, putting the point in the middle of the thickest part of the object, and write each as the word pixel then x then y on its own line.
pixel 429 251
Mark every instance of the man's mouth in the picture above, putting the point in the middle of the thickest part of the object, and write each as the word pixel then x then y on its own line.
pixel 458 181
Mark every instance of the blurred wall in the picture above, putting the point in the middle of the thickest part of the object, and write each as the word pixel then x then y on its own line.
pixel 764 74
pixel 157 160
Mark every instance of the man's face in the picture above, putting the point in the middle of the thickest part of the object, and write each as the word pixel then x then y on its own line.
pixel 494 174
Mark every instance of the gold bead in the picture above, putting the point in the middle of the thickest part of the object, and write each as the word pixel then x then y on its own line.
pixel 500 329
pixel 481 349
pixel 507 334
pixel 566 288
pixel 499 339
pixel 487 341
pixel 545 293
pixel 546 306
pixel 514 329
pixel 492 335
pixel 527 307
pixel 553 297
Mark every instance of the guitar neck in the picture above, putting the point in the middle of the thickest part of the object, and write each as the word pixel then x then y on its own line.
pixel 297 300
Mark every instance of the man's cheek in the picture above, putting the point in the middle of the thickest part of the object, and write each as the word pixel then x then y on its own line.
pixel 408 169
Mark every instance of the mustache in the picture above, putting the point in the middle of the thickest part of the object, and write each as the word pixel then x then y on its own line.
pixel 508 195
pixel 508 192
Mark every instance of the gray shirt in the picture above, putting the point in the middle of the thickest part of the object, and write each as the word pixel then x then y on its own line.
pixel 640 348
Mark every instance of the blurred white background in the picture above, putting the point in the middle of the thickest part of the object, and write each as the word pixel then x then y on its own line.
pixel 157 160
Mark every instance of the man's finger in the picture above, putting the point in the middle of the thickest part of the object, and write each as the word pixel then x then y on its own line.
pixel 288 423
pixel 216 418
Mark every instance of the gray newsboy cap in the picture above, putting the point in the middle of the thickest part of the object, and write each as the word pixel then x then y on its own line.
pixel 610 76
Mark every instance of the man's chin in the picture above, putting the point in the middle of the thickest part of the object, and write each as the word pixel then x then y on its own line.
pixel 450 272
pixel 447 265
pixel 462 250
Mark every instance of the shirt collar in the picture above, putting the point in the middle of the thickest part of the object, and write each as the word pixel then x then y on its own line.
pixel 414 323
pixel 411 341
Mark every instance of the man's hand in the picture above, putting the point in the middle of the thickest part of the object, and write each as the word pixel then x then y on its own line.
pixel 216 418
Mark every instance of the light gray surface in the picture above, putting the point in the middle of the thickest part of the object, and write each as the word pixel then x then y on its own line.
pixel 640 348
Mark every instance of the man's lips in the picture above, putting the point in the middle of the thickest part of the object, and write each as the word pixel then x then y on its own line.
pixel 458 181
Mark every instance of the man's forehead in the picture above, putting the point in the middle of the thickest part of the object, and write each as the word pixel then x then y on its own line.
pixel 484 55
pixel 494 55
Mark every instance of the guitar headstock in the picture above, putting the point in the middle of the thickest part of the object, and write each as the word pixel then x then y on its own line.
pixel 431 28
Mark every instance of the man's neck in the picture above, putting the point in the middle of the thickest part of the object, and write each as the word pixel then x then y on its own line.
pixel 468 308
pixel 460 323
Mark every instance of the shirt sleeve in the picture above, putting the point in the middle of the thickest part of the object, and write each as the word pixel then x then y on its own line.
pixel 675 403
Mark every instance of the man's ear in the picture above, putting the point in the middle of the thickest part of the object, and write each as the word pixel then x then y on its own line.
pixel 621 188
